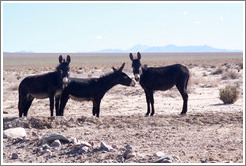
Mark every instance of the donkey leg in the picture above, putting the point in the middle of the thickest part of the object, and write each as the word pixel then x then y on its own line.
pixel 21 105
pixel 184 95
pixel 148 102
pixel 63 102
pixel 94 111
pixel 57 104
pixel 151 97
pixel 27 106
pixel 97 107
pixel 51 105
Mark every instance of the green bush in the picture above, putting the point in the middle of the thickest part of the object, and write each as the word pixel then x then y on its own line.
pixel 229 94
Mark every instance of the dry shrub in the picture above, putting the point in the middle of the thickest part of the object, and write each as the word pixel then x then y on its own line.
pixel 218 71
pixel 229 94
pixel 14 87
pixel 230 74
pixel 213 66
pixel 209 83
pixel 239 66
pixel 194 79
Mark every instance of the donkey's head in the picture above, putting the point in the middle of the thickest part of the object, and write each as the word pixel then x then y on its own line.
pixel 63 69
pixel 123 78
pixel 136 66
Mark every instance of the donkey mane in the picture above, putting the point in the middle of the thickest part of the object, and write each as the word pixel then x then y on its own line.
pixel 59 66
pixel 107 76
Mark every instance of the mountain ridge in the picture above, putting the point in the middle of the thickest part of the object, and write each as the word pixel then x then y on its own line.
pixel 171 48
pixel 168 49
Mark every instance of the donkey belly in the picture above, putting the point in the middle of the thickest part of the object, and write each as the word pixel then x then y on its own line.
pixel 162 86
pixel 44 95
pixel 39 95
pixel 79 98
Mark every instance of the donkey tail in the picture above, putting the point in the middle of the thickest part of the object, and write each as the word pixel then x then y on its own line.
pixel 187 80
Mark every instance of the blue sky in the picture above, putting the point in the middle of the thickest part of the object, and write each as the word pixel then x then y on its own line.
pixel 82 27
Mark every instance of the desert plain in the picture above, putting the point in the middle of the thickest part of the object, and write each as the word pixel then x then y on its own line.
pixel 210 132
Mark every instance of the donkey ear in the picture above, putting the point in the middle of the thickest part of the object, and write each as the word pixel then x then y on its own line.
pixel 139 55
pixel 60 59
pixel 121 68
pixel 115 70
pixel 68 59
pixel 131 56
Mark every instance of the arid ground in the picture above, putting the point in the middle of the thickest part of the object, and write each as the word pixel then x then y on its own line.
pixel 210 131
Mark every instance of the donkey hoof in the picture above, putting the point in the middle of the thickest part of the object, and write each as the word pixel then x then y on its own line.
pixel 146 115
pixel 151 114
pixel 183 113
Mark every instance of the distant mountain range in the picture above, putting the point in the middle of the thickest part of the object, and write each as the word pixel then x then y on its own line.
pixel 169 48
pixel 159 49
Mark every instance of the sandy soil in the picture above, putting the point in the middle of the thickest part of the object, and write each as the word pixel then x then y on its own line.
pixel 211 131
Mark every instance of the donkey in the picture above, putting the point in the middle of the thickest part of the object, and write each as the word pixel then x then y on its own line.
pixel 49 85
pixel 160 78
pixel 93 89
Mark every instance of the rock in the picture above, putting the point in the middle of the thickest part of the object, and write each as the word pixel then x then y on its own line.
pixel 129 154
pixel 47 151
pixel 73 140
pixel 85 148
pixel 165 159
pixel 37 150
pixel 55 143
pixel 14 156
pixel 86 133
pixel 18 132
pixel 10 139
pixel 91 142
pixel 128 147
pixel 159 154
pixel 205 160
pixel 106 147
pixel 17 140
pixel 45 146
pixel 110 161
pixel 120 159
pixel 114 146
pixel 54 136
pixel 177 159
pixel 34 134
pixel 85 144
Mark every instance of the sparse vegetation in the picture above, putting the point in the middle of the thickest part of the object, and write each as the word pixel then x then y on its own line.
pixel 230 74
pixel 229 94
pixel 218 71
pixel 123 116
pixel 239 66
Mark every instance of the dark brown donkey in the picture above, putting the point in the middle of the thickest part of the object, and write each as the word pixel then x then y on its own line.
pixel 49 85
pixel 93 89
pixel 160 78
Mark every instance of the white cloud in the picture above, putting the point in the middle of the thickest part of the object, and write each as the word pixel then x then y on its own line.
pixel 185 13
pixel 197 22
pixel 222 19
pixel 98 37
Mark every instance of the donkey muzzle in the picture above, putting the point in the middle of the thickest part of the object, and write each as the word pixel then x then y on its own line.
pixel 133 83
pixel 136 77
pixel 65 82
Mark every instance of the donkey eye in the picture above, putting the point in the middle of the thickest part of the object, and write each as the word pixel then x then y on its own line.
pixel 125 77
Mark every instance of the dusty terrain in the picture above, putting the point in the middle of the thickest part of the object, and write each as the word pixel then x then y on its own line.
pixel 210 132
